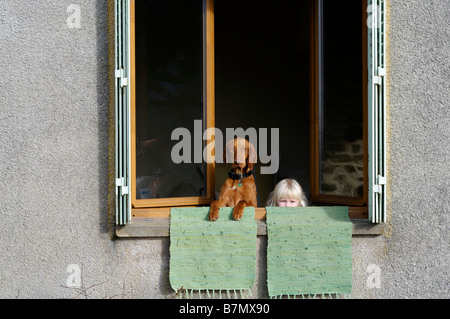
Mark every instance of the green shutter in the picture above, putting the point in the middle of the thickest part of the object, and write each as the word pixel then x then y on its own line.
pixel 122 111
pixel 377 110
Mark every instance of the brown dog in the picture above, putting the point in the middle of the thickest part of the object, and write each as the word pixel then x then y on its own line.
pixel 239 189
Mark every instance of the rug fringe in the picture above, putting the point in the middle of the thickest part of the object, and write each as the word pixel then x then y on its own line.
pixel 213 293
pixel 324 295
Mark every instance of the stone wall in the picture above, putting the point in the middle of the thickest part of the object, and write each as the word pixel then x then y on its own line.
pixel 342 170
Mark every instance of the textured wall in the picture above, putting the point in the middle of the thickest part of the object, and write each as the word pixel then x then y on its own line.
pixel 417 253
pixel 55 158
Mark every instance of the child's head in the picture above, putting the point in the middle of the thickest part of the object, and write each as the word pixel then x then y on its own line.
pixel 287 193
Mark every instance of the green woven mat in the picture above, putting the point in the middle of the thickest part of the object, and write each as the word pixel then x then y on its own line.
pixel 214 257
pixel 309 251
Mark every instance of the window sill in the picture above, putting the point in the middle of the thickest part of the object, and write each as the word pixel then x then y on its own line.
pixel 141 227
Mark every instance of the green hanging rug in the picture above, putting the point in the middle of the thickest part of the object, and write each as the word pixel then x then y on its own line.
pixel 214 258
pixel 309 252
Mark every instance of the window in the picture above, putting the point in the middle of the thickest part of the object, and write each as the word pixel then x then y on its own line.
pixel 164 80
pixel 316 75
pixel 168 73
pixel 348 107
pixel 338 113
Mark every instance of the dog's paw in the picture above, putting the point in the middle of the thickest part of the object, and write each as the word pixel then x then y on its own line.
pixel 213 216
pixel 214 211
pixel 237 213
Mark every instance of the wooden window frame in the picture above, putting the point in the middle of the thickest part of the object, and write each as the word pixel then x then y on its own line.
pixel 155 205
pixel 160 208
pixel 358 205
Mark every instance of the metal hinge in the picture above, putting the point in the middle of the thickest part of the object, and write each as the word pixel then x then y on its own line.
pixel 381 181
pixel 381 72
pixel 123 80
pixel 120 183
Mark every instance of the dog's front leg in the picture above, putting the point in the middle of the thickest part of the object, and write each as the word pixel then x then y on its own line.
pixel 238 210
pixel 214 211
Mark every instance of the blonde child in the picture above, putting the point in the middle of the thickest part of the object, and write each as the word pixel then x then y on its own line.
pixel 287 193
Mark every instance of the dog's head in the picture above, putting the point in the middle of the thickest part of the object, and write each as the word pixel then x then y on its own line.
pixel 241 154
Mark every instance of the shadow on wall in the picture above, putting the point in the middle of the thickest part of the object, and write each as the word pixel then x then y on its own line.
pixel 106 104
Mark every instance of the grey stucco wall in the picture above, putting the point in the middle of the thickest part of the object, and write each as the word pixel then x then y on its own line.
pixel 417 252
pixel 55 157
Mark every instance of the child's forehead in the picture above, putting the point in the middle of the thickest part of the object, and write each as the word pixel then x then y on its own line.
pixel 289 194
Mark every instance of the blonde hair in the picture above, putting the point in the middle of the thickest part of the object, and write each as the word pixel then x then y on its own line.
pixel 287 188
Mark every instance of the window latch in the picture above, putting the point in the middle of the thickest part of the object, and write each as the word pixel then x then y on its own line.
pixel 123 81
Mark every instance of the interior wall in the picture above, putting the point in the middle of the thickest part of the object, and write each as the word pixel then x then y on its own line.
pixel 262 81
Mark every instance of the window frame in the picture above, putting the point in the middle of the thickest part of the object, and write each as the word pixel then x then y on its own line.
pixel 138 206
pixel 358 205
pixel 374 45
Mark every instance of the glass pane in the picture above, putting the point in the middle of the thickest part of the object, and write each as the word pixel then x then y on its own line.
pixel 340 98
pixel 169 91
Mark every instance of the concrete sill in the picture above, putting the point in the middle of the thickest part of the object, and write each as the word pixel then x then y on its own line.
pixel 159 227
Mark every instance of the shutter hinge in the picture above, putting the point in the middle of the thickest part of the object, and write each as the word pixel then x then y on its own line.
pixel 381 181
pixel 381 72
pixel 120 183
pixel 122 78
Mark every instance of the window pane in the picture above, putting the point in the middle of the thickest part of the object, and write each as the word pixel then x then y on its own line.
pixel 340 98
pixel 169 90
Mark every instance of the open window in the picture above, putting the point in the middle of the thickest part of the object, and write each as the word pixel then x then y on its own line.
pixel 193 65
pixel 339 153
pixel 172 100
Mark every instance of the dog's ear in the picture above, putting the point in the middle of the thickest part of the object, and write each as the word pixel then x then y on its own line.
pixel 252 155
pixel 225 150
pixel 228 153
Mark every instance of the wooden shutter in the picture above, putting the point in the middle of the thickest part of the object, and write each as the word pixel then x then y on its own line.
pixel 122 111
pixel 377 109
